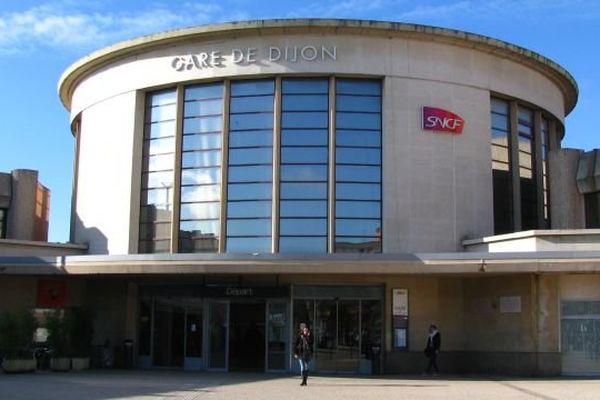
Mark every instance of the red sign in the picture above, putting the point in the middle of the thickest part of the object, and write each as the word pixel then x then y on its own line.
pixel 436 119
pixel 51 293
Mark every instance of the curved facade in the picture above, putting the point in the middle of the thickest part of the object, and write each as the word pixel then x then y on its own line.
pixel 365 176
pixel 225 174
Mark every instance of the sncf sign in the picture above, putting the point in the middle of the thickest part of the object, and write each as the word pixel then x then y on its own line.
pixel 436 119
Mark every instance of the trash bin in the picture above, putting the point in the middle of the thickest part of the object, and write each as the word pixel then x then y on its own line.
pixel 128 347
pixel 376 360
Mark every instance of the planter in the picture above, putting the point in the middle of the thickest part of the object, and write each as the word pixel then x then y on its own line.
pixel 80 363
pixel 60 364
pixel 19 365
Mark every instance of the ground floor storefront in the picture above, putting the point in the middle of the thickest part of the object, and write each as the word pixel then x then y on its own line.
pixel 504 323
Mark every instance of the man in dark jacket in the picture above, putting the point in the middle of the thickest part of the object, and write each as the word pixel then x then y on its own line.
pixel 434 342
pixel 303 351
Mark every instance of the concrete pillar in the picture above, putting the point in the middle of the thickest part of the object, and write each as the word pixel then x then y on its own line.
pixel 567 207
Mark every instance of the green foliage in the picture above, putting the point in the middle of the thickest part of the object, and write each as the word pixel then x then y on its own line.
pixel 70 332
pixel 16 334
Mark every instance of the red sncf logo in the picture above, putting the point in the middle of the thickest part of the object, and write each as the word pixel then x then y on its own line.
pixel 436 119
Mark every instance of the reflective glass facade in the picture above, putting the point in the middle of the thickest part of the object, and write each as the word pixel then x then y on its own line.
pixel 358 166
pixel 256 158
pixel 156 212
pixel 200 211
pixel 515 125
pixel 250 172
pixel 304 165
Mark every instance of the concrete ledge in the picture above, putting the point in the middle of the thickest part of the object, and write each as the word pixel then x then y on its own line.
pixel 558 240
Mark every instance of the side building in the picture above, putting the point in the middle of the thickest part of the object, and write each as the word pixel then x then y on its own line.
pixel 366 178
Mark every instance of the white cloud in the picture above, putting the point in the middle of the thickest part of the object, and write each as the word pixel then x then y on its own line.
pixel 56 26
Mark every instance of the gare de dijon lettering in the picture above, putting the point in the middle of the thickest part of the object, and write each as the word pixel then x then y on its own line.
pixel 250 55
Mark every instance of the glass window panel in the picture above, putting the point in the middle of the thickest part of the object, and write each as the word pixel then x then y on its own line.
pixel 312 173
pixel 349 155
pixel 251 138
pixel 499 106
pixel 358 245
pixel 249 209
pixel 200 211
pixel 155 246
pixel 251 104
pixel 500 134
pixel 357 173
pixel 202 124
pixel 304 137
pixel 309 119
pixel 305 85
pixel 251 156
pixel 157 146
pixel 358 103
pixel 306 208
pixel 358 138
pixel 192 159
pixel 248 245
pixel 358 209
pixel 248 227
pixel 358 191
pixel 358 87
pixel 160 198
pixel 160 129
pixel 162 113
pixel 191 194
pixel 203 108
pixel 159 179
pixel 500 122
pixel 525 116
pixel 162 98
pixel 345 120
pixel 302 245
pixel 153 214
pixel 199 228
pixel 303 191
pixel 202 141
pixel 305 102
pixel 357 227
pixel 303 227
pixel 251 121
pixel 201 176
pixel 204 91
pixel 254 87
pixel 155 231
pixel 304 155
pixel 258 173
pixel 189 244
pixel 160 162
pixel 249 191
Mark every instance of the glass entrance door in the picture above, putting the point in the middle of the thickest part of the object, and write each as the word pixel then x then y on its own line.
pixel 218 333
pixel 277 335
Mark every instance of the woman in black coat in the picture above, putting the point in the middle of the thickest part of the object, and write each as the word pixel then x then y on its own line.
pixel 303 351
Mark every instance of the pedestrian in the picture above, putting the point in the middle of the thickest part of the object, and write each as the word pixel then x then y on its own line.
pixel 434 342
pixel 303 350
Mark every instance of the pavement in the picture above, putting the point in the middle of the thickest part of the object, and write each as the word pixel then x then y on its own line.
pixel 178 385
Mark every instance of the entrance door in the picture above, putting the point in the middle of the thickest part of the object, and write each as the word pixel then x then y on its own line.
pixel 580 337
pixel 247 337
pixel 168 334
pixel 277 335
pixel 218 318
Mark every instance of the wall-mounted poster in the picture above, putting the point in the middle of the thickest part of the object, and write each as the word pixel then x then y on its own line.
pixel 400 319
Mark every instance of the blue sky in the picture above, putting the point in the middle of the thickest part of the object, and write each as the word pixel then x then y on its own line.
pixel 40 39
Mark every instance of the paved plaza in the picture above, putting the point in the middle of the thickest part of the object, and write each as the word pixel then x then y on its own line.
pixel 146 385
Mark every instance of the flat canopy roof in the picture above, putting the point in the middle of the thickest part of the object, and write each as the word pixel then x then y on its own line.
pixel 87 65
pixel 381 264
